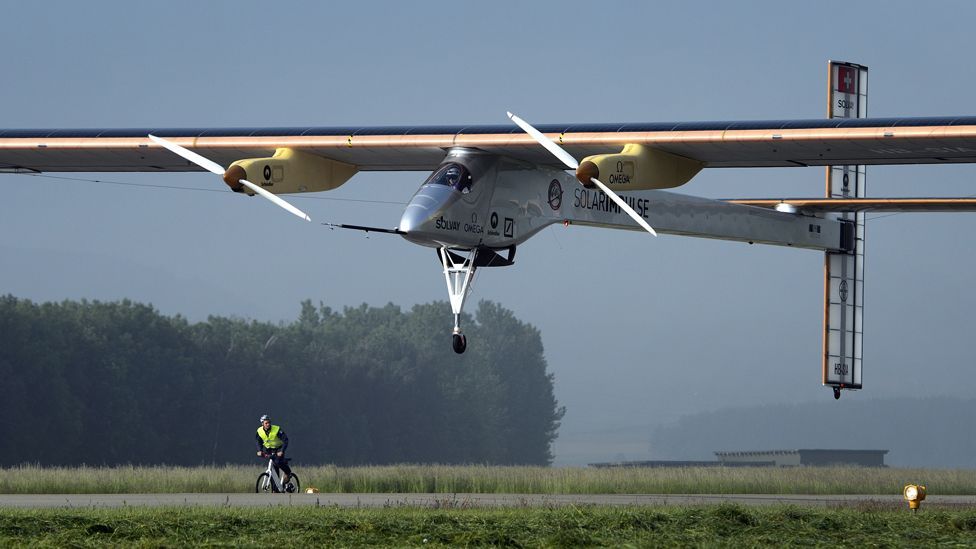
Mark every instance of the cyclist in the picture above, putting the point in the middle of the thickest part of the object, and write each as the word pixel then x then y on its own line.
pixel 272 443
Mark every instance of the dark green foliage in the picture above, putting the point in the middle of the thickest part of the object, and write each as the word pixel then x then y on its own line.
pixel 965 522
pixel 727 526
pixel 110 383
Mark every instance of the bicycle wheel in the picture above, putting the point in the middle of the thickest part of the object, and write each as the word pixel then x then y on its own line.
pixel 263 485
pixel 293 481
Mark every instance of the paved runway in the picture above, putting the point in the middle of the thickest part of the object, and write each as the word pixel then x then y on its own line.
pixel 455 501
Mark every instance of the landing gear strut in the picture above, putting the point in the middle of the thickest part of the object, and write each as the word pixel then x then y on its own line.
pixel 459 277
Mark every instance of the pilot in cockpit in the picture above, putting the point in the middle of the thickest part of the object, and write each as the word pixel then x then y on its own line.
pixel 458 178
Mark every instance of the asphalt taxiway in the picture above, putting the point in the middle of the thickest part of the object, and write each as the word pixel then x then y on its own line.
pixel 455 501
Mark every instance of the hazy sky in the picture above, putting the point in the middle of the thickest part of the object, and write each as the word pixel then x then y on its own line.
pixel 637 330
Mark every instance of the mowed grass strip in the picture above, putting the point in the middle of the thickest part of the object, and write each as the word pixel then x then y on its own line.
pixel 558 527
pixel 491 480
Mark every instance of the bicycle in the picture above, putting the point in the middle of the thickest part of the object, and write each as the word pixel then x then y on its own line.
pixel 270 481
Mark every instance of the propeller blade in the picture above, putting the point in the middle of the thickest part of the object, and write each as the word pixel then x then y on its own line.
pixel 216 168
pixel 624 206
pixel 549 144
pixel 276 199
pixel 204 163
pixel 572 164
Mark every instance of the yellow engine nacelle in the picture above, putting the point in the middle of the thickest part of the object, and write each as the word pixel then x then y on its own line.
pixel 638 168
pixel 289 171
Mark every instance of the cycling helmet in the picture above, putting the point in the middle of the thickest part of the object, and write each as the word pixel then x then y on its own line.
pixel 264 418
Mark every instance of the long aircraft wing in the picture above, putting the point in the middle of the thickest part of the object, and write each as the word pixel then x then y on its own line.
pixel 716 144
pixel 823 205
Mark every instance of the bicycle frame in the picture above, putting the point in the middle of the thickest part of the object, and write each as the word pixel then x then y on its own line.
pixel 273 475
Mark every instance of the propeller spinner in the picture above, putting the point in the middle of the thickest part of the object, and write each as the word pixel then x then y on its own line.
pixel 233 174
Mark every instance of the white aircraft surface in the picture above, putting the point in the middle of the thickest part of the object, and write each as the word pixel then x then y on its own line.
pixel 492 187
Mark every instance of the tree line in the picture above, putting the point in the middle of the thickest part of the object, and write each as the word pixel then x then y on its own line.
pixel 112 383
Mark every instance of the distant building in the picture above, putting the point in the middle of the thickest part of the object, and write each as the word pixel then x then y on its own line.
pixel 679 463
pixel 771 458
pixel 811 458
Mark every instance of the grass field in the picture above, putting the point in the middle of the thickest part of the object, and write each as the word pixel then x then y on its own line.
pixel 724 525
pixel 484 479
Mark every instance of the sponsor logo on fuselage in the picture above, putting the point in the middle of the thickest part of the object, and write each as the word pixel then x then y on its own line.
pixel 493 221
pixel 555 194
pixel 598 200
pixel 446 224
pixel 453 225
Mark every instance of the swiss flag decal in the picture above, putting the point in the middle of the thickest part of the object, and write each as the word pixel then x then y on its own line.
pixel 845 80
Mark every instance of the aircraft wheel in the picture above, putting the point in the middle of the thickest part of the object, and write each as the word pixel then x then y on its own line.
pixel 836 393
pixel 460 343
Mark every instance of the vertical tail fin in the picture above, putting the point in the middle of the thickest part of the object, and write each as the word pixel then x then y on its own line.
pixel 844 271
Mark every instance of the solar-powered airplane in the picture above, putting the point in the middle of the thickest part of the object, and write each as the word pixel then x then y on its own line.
pixel 493 187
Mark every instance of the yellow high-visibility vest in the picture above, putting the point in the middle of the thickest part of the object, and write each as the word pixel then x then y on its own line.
pixel 270 438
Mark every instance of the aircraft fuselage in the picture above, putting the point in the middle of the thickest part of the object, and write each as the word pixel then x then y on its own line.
pixel 475 199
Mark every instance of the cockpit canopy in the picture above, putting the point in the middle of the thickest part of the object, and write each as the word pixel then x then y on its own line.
pixel 453 175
